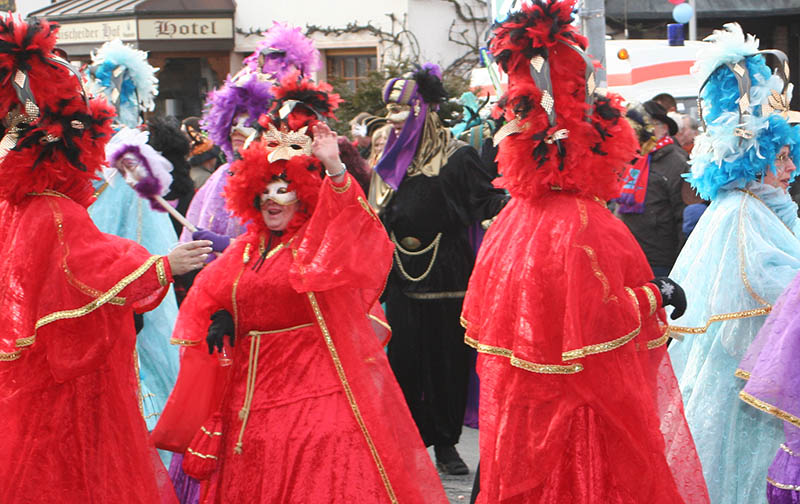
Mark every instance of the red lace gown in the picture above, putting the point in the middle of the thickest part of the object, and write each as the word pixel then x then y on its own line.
pixel 71 429
pixel 578 400
pixel 312 412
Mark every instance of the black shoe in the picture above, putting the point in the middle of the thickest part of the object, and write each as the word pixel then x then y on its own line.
pixel 449 461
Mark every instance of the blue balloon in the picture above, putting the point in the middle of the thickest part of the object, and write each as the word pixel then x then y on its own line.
pixel 682 13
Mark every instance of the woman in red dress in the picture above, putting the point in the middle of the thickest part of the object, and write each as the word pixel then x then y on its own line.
pixel 311 411
pixel 71 428
pixel 578 401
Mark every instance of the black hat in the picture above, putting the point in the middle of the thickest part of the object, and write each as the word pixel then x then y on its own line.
pixel 658 113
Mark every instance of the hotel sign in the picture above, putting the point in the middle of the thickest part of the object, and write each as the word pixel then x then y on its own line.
pixel 185 28
pixel 97 31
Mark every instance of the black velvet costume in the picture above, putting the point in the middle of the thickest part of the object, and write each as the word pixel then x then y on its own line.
pixel 427 350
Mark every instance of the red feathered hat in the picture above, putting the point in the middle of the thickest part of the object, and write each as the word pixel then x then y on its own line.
pixel 299 101
pixel 253 172
pixel 560 133
pixel 54 136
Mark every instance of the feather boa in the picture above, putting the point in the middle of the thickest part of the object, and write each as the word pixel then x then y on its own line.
pixel 591 160
pixel 35 165
pixel 298 52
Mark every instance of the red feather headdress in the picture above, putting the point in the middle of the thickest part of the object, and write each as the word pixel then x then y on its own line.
pixel 54 136
pixel 299 101
pixel 560 133
pixel 253 172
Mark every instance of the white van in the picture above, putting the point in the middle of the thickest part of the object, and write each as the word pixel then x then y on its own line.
pixel 638 70
pixel 642 69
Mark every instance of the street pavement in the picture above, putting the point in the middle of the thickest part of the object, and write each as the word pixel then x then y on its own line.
pixel 459 488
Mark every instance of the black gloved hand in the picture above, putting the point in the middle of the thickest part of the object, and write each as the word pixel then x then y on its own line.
pixel 221 324
pixel 138 322
pixel 672 295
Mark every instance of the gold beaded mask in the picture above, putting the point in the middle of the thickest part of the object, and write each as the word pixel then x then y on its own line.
pixel 284 144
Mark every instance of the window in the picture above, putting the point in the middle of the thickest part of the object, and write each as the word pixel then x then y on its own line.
pixel 351 66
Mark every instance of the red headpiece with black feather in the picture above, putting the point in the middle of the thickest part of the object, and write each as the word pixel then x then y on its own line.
pixel 299 101
pixel 561 134
pixel 54 136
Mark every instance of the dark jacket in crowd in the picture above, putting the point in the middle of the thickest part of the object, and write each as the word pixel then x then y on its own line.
pixel 659 228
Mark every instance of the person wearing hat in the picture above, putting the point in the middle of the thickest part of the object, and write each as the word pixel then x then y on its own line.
pixel 651 204
pixel 562 306
pixel 69 397
pixel 742 254
pixel 430 188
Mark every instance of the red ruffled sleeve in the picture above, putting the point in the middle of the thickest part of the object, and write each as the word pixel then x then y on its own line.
pixel 328 258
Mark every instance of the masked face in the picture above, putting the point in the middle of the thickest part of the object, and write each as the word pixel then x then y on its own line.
pixel 397 116
pixel 240 131
pixel 286 144
pixel 131 169
pixel 278 205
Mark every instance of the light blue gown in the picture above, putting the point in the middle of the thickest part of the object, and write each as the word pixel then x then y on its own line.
pixel 120 211
pixel 740 257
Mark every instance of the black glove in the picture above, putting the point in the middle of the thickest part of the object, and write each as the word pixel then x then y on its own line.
pixel 138 322
pixel 221 324
pixel 672 295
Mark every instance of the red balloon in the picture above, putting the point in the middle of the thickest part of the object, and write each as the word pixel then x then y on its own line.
pixel 676 2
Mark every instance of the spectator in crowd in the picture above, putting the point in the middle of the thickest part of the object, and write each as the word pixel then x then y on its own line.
pixel 651 204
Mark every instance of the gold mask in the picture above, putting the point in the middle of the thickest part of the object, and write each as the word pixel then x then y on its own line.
pixel 284 144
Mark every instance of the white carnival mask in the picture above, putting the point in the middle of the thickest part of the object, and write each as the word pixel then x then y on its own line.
pixel 278 191
pixel 240 125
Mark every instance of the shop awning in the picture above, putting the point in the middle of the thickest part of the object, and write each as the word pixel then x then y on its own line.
pixel 151 25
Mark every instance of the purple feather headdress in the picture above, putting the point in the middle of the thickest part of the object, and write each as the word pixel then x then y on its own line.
pixel 245 93
pixel 283 49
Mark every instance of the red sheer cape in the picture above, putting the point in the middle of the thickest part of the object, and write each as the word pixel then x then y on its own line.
pixel 69 418
pixel 576 384
pixel 341 260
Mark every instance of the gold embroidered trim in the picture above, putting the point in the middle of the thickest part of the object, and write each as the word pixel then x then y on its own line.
pixel 740 373
pixel 10 356
pixel 523 364
pixel 368 208
pixel 436 295
pixel 183 342
pixel 379 321
pixel 608 345
pixel 151 415
pixel 598 273
pixel 59 222
pixel 789 451
pixel 342 189
pixel 349 393
pixel 201 455
pixel 100 190
pixel 756 312
pixel 742 258
pixel 210 434
pixel 651 297
pixel 49 192
pixel 82 311
pixel 659 341
pixel 249 391
pixel 161 273
pixel 276 331
pixel 783 486
pixel 768 408
pixel 583 214
pixel 246 253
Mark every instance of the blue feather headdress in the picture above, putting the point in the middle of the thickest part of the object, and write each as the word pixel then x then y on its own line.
pixel 124 76
pixel 745 111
